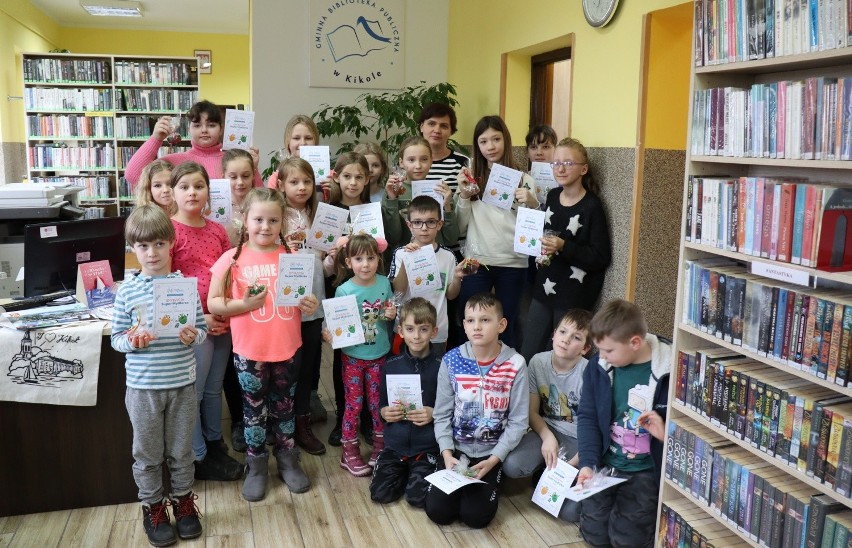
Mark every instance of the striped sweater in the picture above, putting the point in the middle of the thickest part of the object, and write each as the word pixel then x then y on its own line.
pixel 166 362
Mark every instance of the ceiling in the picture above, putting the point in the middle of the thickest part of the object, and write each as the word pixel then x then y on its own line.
pixel 217 16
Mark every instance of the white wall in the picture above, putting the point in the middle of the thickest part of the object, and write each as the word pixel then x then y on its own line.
pixel 280 41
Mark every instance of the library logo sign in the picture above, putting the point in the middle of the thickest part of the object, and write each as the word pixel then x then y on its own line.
pixel 357 44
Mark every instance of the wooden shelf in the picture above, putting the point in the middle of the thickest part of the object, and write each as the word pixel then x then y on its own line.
pixel 67 138
pixel 69 84
pixel 845 390
pixel 105 113
pixel 816 59
pixel 155 86
pixel 673 486
pixel 773 162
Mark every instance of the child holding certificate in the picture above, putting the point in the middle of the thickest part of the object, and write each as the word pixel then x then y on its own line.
pixel 487 225
pixel 357 262
pixel 576 248
pixel 160 394
pixel 266 339
pixel 411 452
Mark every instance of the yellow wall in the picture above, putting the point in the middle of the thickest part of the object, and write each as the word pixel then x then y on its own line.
pixel 668 78
pixel 606 64
pixel 22 28
pixel 229 82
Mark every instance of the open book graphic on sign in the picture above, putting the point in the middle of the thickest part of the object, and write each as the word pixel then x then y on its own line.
pixel 346 40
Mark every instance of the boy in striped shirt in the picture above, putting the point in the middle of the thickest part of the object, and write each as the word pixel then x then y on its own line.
pixel 160 395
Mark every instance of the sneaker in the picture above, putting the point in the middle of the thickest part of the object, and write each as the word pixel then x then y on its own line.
pixel 218 469
pixel 155 521
pixel 186 516
pixel 238 437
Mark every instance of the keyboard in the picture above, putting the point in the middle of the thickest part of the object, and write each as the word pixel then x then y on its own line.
pixel 32 302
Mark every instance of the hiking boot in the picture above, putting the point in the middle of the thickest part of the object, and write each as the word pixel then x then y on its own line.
pixel 218 450
pixel 291 471
pixel 254 486
pixel 318 411
pixel 238 437
pixel 218 469
pixel 305 437
pixel 186 515
pixel 155 521
pixel 378 445
pixel 336 434
pixel 351 460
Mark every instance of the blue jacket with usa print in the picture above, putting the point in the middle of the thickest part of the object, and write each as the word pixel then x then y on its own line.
pixel 481 413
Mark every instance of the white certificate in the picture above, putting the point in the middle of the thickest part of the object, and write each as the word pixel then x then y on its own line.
pixel 239 127
pixel 295 278
pixel 421 267
pixel 428 188
pixel 501 186
pixel 448 480
pixel 220 201
pixel 329 224
pixel 175 304
pixel 319 159
pixel 529 228
pixel 404 391
pixel 578 493
pixel 553 487
pixel 542 172
pixel 367 218
pixel 343 320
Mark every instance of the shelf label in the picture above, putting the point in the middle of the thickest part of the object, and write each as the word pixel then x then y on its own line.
pixel 780 273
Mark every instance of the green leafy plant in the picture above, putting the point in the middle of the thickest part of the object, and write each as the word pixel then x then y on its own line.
pixel 387 118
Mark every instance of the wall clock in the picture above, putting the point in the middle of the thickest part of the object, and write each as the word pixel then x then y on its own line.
pixel 599 12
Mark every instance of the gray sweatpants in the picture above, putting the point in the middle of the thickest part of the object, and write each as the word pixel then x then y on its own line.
pixel 525 459
pixel 163 421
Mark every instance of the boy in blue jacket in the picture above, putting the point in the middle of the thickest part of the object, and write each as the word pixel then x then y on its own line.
pixel 411 452
pixel 621 424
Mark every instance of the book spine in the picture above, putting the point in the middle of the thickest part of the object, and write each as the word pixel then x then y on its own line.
pixel 832 460
pixel 836 339
pixel 843 355
pixel 785 239
pixel 825 340
pixel 843 485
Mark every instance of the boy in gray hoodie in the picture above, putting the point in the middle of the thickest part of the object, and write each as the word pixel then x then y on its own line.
pixel 481 411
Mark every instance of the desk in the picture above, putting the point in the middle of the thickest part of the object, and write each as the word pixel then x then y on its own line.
pixel 59 457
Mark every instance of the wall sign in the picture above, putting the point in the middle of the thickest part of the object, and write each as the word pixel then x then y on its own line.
pixel 357 44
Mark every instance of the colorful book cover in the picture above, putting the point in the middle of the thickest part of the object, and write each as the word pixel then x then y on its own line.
pixel 95 285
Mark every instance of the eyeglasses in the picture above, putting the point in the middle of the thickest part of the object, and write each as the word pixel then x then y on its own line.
pixel 431 223
pixel 569 164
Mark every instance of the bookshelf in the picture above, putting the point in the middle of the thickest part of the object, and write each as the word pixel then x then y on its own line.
pixel 760 403
pixel 85 116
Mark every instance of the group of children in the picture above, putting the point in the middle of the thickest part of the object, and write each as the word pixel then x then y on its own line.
pixel 479 398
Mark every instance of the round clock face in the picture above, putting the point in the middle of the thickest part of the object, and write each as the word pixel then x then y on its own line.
pixel 599 12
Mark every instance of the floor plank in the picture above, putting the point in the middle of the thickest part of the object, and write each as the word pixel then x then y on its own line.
pixel 319 520
pixel 509 528
pixel 373 531
pixel 412 523
pixel 89 527
pixel 10 524
pixel 5 539
pixel 552 531
pixel 275 526
pixel 471 538
pixel 129 534
pixel 351 493
pixel 41 529
pixel 226 511
pixel 244 540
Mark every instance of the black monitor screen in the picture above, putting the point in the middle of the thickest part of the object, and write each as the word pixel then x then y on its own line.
pixel 52 252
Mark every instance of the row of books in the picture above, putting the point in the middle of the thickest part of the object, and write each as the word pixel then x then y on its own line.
pixel 156 100
pixel 775 219
pixel 728 31
pixel 84 71
pixel 803 426
pixel 150 72
pixel 94 212
pixel 96 187
pixel 804 329
pixel 808 119
pixel 73 125
pixel 52 155
pixel 124 154
pixel 136 126
pixel 81 99
pixel 682 524
pixel 760 500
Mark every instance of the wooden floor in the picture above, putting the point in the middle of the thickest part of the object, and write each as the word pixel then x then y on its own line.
pixel 337 511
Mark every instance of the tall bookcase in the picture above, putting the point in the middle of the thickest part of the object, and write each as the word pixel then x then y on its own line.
pixel 740 396
pixel 87 114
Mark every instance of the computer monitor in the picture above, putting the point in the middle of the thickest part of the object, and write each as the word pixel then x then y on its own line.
pixel 52 252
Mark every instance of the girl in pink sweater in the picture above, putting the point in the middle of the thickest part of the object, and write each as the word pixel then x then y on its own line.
pixel 205 132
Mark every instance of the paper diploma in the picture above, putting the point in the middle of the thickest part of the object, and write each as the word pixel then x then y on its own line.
pixel 579 493
pixel 343 320
pixel 529 228
pixel 367 218
pixel 319 159
pixel 404 391
pixel 428 188
pixel 329 224
pixel 501 186
pixel 542 172
pixel 553 487
pixel 421 267
pixel 239 127
pixel 175 302
pixel 295 278
pixel 220 201
pixel 448 480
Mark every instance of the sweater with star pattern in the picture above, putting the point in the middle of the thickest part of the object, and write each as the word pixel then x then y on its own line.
pixel 575 276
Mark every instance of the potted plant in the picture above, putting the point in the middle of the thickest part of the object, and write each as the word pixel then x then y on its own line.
pixel 388 118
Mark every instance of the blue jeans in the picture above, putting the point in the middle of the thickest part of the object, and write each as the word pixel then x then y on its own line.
pixel 211 359
pixel 507 283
